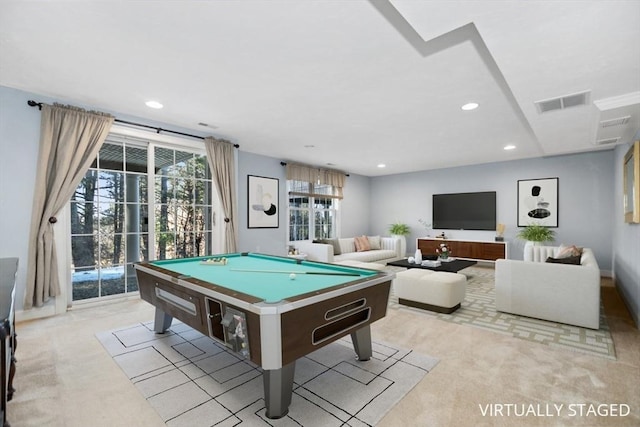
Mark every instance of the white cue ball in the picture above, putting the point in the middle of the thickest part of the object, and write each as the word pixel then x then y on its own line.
pixel 292 276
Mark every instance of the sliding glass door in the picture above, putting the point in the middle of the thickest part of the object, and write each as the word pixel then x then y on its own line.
pixel 138 201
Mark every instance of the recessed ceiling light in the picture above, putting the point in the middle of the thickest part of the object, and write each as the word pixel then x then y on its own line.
pixel 309 146
pixel 382 165
pixel 470 106
pixel 510 147
pixel 153 104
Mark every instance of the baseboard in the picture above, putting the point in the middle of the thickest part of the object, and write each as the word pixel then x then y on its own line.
pixel 634 316
pixel 35 313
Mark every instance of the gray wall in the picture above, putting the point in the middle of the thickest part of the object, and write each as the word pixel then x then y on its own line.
pixel 626 243
pixel 265 240
pixel 19 135
pixel 586 199
pixel 355 207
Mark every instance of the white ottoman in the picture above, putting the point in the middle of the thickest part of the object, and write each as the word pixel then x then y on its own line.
pixel 430 290
pixel 360 264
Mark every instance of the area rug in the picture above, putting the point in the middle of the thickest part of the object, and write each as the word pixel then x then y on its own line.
pixel 192 380
pixel 478 310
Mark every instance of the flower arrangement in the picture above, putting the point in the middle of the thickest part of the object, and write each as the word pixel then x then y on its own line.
pixel 443 251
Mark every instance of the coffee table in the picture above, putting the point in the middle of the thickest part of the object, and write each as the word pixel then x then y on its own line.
pixel 452 266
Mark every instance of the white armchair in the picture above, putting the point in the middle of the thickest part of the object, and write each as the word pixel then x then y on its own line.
pixel 558 292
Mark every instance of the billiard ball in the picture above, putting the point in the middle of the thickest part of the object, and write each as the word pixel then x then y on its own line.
pixel 292 276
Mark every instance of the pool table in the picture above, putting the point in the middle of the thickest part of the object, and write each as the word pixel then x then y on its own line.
pixel 271 310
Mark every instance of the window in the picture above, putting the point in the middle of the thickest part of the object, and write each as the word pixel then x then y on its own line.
pixel 131 185
pixel 313 211
pixel 182 204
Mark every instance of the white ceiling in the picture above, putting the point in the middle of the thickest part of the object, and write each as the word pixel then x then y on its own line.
pixel 361 82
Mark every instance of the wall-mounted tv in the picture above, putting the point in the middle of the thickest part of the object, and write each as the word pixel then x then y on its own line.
pixel 464 211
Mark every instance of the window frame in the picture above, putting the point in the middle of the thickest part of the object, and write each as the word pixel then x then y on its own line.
pixel 63 233
pixel 311 210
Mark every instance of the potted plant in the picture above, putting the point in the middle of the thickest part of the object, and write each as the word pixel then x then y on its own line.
pixel 536 233
pixel 400 230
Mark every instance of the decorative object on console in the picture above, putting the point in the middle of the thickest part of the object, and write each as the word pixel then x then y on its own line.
pixel 418 256
pixel 500 233
pixel 443 252
pixel 538 202
pixel 425 224
pixel 632 184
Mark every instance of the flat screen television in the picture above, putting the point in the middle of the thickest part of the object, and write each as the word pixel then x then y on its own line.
pixel 464 211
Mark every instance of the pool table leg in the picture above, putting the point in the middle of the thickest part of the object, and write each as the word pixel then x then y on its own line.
pixel 362 343
pixel 278 385
pixel 162 321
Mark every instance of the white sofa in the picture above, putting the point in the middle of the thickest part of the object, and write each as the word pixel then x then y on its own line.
pixel 558 292
pixel 389 251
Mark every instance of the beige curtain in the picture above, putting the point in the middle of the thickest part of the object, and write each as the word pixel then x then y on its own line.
pixel 301 173
pixel 316 175
pixel 70 139
pixel 220 154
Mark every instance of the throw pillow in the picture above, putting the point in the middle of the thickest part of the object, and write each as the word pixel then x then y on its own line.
pixel 347 245
pixel 565 251
pixel 362 244
pixel 374 242
pixel 575 260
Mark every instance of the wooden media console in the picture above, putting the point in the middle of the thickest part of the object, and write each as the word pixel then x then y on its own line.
pixel 471 249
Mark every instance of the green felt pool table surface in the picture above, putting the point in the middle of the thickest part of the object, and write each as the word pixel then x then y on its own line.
pixel 272 283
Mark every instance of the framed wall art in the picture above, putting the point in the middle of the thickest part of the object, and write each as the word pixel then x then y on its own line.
pixel 538 202
pixel 631 195
pixel 262 208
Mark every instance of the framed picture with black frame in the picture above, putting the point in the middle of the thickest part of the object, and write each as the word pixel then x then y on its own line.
pixel 538 202
pixel 262 202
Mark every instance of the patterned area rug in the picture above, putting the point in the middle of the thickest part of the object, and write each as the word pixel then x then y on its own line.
pixel 478 310
pixel 192 381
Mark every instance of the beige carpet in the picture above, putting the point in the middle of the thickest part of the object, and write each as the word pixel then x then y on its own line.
pixel 65 377
pixel 478 310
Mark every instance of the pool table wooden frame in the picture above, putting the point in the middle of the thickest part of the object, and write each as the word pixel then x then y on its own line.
pixel 277 333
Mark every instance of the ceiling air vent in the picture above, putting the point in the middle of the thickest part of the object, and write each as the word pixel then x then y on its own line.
pixel 607 141
pixel 563 102
pixel 615 122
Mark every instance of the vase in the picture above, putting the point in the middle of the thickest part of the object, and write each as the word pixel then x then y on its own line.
pixel 403 244
pixel 418 256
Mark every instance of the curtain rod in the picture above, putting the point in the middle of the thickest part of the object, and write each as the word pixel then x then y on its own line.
pixel 313 167
pixel 157 129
